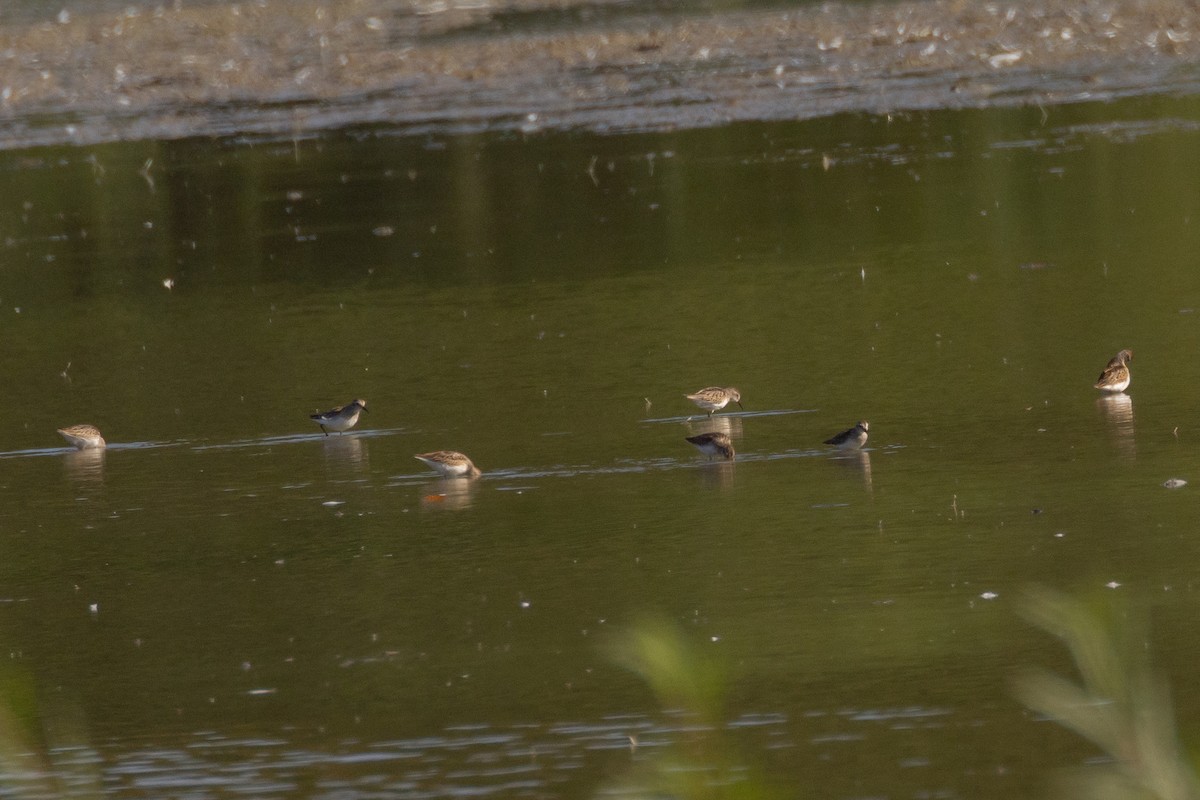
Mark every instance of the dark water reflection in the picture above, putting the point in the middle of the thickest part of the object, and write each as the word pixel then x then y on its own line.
pixel 226 601
pixel 85 466
pixel 528 759
pixel 520 760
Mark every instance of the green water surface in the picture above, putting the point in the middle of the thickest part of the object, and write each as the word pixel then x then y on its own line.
pixel 226 601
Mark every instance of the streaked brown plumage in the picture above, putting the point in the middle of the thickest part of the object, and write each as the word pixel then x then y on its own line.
pixel 1116 377
pixel 713 398
pixel 84 437
pixel 450 464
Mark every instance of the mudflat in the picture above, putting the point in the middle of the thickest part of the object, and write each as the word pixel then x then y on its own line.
pixel 297 67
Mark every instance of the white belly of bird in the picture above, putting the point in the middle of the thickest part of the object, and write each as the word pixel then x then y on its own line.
pixel 1116 387
pixel 455 470
pixel 710 405
pixel 83 442
pixel 340 424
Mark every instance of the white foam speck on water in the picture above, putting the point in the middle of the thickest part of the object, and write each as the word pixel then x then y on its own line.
pixel 1174 483
pixel 989 595
pixel 1113 584
pixel 332 503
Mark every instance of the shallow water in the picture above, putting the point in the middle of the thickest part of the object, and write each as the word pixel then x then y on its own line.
pixel 228 602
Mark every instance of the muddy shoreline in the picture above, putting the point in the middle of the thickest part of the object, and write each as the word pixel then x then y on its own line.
pixel 287 68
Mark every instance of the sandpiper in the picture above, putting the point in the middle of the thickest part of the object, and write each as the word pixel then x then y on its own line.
pixel 713 444
pixel 1116 377
pixel 852 439
pixel 714 398
pixel 84 437
pixel 450 464
pixel 342 418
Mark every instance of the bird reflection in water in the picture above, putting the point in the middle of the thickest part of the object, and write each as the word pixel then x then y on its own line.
pixel 85 466
pixel 730 426
pixel 858 461
pixel 449 494
pixel 346 452
pixel 717 474
pixel 1117 411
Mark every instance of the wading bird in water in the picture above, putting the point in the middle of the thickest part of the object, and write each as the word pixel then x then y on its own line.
pixel 339 419
pixel 714 398
pixel 450 464
pixel 84 437
pixel 851 439
pixel 1116 377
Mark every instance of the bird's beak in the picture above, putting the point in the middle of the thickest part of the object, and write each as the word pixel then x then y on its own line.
pixel 742 407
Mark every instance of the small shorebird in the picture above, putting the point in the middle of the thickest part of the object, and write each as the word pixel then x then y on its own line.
pixel 84 437
pixel 852 439
pixel 713 444
pixel 714 398
pixel 450 463
pixel 1116 377
pixel 339 419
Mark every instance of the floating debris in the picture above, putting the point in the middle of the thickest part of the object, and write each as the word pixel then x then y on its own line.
pixel 1005 59
pixel 1174 483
